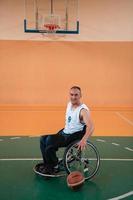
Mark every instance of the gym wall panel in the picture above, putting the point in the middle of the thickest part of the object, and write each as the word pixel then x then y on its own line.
pixel 42 72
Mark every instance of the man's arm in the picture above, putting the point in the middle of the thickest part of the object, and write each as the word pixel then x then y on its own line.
pixel 89 127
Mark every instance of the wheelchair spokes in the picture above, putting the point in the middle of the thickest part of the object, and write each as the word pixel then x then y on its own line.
pixel 86 161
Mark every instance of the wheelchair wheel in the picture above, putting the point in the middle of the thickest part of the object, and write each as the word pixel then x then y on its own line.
pixel 86 161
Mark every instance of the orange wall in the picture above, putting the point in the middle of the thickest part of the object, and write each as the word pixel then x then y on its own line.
pixel 40 120
pixel 42 72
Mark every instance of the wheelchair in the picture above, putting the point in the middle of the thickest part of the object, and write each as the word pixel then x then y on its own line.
pixel 86 161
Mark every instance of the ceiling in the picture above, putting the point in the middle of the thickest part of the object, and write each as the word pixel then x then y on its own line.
pixel 100 20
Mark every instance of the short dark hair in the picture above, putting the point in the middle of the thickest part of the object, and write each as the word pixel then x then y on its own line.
pixel 76 87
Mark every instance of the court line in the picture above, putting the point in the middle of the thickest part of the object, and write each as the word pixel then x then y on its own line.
pixel 117 159
pixel 129 149
pixel 29 159
pixel 33 136
pixel 14 138
pixel 124 118
pixel 100 140
pixel 115 144
pixel 19 159
pixel 122 196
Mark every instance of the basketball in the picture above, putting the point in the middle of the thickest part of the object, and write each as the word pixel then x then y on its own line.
pixel 75 180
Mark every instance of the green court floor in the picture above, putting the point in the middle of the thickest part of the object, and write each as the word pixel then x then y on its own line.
pixel 18 155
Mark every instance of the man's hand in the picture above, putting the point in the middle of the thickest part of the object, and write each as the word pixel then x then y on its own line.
pixel 82 144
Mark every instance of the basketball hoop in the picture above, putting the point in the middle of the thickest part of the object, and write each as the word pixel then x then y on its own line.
pixel 49 25
pixel 51 28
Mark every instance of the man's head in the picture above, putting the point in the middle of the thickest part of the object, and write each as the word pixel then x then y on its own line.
pixel 75 94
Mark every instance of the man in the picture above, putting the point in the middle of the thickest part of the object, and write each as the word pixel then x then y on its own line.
pixel 78 125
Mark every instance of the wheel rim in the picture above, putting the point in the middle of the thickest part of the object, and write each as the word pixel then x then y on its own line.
pixel 86 161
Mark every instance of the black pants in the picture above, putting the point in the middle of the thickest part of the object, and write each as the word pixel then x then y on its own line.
pixel 49 144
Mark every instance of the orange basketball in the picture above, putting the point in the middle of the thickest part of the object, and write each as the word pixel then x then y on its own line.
pixel 75 180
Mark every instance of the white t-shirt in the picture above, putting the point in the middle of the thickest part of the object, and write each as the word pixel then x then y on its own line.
pixel 72 122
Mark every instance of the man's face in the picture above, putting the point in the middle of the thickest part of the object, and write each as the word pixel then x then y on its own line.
pixel 75 96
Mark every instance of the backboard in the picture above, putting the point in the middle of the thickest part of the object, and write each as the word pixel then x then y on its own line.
pixel 44 15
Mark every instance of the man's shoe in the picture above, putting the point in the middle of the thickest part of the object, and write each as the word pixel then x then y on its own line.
pixel 46 171
pixel 40 167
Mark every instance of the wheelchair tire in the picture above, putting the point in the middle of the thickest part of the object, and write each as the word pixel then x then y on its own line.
pixel 96 153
